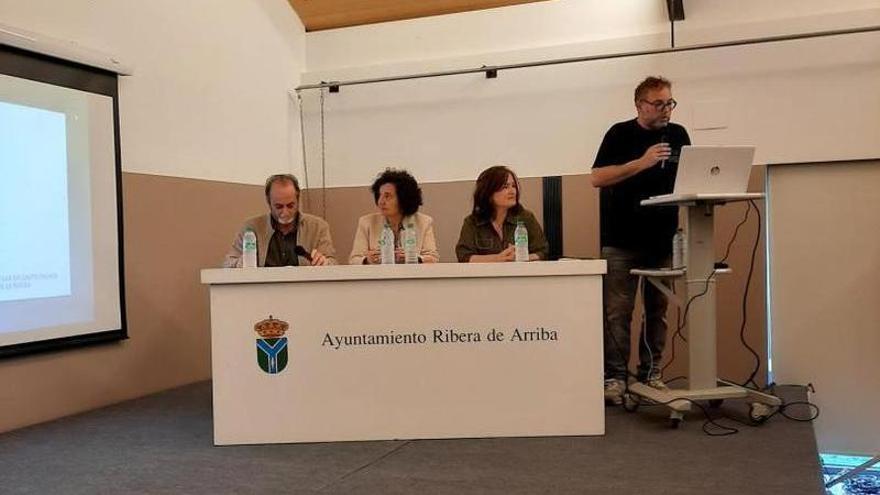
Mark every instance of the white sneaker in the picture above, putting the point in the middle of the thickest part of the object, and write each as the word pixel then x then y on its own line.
pixel 614 388
pixel 656 382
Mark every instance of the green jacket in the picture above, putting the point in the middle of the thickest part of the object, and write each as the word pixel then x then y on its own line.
pixel 479 237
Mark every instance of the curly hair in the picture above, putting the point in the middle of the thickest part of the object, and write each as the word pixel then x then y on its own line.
pixel 489 182
pixel 409 194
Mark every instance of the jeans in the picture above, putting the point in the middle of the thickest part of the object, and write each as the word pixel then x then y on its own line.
pixel 619 293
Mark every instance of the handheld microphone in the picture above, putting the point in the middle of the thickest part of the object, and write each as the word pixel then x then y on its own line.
pixel 664 138
pixel 301 251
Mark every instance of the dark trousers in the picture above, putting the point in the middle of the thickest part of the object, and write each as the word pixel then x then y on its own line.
pixel 619 293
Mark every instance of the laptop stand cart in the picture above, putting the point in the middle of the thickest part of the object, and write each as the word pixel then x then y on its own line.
pixel 699 322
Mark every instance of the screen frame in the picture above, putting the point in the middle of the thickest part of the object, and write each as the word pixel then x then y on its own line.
pixel 38 67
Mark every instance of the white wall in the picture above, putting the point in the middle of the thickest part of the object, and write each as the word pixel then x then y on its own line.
pixel 797 101
pixel 502 30
pixel 209 95
pixel 718 20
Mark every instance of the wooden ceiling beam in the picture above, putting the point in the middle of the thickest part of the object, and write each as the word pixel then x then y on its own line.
pixel 317 15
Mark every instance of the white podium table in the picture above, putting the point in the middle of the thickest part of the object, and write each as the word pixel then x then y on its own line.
pixel 698 307
pixel 406 351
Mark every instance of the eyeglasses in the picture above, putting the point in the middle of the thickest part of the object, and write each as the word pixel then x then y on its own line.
pixel 661 105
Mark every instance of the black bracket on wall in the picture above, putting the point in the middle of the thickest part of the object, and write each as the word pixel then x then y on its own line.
pixel 552 189
pixel 675 9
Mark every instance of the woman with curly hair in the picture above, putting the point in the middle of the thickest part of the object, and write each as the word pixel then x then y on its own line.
pixel 398 197
pixel 487 233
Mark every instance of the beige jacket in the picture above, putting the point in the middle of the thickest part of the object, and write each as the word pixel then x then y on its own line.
pixel 311 233
pixel 370 227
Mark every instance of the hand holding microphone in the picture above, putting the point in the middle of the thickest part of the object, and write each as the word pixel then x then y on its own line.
pixel 655 154
pixel 664 139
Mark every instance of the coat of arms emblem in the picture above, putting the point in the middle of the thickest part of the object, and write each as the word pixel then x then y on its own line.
pixel 272 345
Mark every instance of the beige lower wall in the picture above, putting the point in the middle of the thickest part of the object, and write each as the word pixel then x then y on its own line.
pixel 825 249
pixel 174 227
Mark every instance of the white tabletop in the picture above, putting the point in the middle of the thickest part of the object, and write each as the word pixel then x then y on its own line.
pixel 677 199
pixel 391 272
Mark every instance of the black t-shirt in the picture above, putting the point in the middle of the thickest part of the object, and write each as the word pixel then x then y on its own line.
pixel 623 222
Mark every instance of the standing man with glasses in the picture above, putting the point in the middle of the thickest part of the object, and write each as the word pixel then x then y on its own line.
pixel 638 159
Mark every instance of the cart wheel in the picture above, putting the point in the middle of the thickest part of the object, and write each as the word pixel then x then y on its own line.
pixel 630 402
pixel 759 413
pixel 675 419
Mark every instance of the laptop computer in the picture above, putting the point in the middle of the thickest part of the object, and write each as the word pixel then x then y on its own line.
pixel 711 171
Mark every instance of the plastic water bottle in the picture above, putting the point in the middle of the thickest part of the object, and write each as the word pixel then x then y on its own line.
pixel 386 245
pixel 410 250
pixel 249 249
pixel 521 241
pixel 679 249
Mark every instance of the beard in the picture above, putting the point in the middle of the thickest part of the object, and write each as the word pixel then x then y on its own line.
pixel 659 123
pixel 284 220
